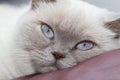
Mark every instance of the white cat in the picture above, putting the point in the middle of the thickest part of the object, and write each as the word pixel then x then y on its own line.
pixel 8 18
pixel 56 34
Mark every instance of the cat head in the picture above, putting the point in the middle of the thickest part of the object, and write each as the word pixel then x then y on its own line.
pixel 61 33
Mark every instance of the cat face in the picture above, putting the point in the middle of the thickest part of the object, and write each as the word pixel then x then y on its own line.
pixel 60 34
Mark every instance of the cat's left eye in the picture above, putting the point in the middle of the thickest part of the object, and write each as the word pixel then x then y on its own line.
pixel 85 45
pixel 47 31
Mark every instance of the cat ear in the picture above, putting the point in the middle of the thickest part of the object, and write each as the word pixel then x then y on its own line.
pixel 113 23
pixel 35 3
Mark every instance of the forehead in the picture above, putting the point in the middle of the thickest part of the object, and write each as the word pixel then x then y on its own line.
pixel 73 16
pixel 69 12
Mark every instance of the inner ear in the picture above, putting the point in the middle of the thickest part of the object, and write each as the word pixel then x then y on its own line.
pixel 114 26
pixel 35 3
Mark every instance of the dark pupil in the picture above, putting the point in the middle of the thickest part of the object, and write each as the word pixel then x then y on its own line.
pixel 48 30
pixel 84 44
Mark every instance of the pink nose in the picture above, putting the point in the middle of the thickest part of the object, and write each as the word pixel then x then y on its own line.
pixel 58 55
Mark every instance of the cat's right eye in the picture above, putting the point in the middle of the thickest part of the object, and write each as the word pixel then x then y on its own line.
pixel 47 31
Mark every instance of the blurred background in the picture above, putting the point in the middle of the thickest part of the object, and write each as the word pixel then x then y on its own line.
pixel 110 4
pixel 14 2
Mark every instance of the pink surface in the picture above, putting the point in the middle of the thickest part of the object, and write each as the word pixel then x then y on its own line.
pixel 103 67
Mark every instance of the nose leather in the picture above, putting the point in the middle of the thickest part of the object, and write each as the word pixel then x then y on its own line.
pixel 58 55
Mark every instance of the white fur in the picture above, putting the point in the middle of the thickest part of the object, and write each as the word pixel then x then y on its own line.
pixel 8 18
pixel 89 15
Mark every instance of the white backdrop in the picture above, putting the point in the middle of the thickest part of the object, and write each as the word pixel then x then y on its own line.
pixel 113 5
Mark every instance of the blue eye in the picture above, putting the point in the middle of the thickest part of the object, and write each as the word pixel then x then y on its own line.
pixel 85 45
pixel 47 31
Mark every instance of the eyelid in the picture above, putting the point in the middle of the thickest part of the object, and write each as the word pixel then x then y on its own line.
pixel 43 23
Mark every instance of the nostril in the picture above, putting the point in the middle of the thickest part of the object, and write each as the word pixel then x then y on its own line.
pixel 58 55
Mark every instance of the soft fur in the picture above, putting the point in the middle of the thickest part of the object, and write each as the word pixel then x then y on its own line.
pixel 28 51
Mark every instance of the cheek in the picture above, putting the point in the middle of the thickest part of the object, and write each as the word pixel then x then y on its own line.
pixel 84 55
pixel 37 39
pixel 42 58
